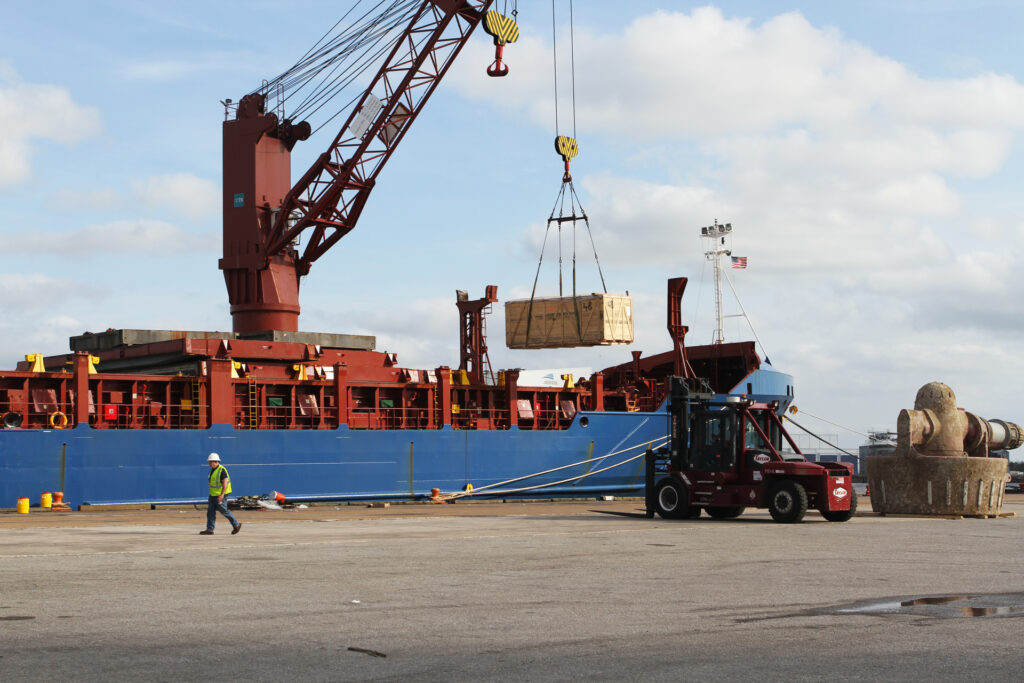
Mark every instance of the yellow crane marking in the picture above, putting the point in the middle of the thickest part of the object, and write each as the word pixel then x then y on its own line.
pixel 566 146
pixel 503 28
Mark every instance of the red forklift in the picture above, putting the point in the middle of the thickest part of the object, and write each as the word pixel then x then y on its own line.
pixel 726 455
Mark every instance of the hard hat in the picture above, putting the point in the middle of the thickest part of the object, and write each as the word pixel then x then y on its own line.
pixel 213 458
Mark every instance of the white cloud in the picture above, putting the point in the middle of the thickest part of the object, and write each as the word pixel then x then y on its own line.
pixel 671 75
pixel 36 289
pixel 161 70
pixel 31 112
pixel 24 334
pixel 421 335
pixel 122 236
pixel 103 199
pixel 195 198
pixel 783 109
pixel 833 161
pixel 182 194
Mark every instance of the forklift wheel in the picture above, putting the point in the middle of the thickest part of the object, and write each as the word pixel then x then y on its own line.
pixel 725 512
pixel 787 502
pixel 842 515
pixel 672 499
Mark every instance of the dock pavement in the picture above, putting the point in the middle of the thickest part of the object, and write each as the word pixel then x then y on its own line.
pixel 541 591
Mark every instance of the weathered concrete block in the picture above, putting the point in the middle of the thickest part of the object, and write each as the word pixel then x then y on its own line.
pixel 936 485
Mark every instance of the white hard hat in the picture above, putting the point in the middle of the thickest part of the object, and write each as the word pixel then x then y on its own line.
pixel 213 458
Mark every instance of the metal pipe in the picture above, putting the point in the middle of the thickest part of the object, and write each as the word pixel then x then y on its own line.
pixel 1004 435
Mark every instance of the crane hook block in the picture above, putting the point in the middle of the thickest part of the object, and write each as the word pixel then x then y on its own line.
pixel 567 148
pixel 504 31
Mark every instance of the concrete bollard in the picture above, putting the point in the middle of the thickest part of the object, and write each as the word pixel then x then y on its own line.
pixel 941 465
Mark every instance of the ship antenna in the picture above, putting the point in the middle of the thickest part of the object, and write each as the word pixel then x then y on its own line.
pixel 716 234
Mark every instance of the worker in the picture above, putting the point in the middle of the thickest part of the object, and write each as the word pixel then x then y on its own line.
pixel 220 487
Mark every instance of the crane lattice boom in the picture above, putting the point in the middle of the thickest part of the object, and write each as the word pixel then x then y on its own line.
pixel 265 215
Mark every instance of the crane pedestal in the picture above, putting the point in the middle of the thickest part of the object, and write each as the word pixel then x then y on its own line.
pixel 263 287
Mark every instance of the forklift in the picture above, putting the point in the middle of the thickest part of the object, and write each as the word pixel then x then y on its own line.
pixel 725 455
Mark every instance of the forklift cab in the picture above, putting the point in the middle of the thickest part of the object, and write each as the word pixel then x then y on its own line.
pixel 713 441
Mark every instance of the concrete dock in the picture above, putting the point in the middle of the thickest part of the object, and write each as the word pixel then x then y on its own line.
pixel 515 591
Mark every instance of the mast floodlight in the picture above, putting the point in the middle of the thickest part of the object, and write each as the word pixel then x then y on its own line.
pixel 717 232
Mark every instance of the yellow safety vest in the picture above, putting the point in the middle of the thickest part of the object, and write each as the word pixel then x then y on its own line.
pixel 215 481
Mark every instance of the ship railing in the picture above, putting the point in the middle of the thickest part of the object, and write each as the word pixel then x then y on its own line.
pixel 393 417
pixel 149 414
pixel 472 417
pixel 136 415
pixel 279 412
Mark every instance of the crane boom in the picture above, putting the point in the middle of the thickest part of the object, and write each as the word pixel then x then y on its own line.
pixel 264 215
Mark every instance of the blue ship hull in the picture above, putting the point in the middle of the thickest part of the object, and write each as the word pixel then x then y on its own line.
pixel 164 466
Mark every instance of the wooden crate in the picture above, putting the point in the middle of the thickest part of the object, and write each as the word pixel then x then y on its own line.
pixel 559 322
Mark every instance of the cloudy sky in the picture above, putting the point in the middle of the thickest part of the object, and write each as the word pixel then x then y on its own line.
pixel 868 155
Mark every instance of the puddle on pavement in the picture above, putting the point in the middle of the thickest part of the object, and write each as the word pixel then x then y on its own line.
pixel 942 606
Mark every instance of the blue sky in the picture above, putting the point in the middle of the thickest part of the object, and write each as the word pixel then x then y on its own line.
pixel 869 155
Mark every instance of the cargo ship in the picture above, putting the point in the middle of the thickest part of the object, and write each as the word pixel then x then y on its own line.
pixel 317 419
pixel 128 416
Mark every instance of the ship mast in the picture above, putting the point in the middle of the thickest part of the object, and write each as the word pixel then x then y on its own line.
pixel 716 234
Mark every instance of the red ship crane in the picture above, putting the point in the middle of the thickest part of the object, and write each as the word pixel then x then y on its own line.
pixel 264 214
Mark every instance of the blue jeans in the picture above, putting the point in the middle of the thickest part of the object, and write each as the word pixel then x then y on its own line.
pixel 213 507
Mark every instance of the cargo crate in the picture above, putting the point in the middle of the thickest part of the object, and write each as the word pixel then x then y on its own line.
pixel 559 322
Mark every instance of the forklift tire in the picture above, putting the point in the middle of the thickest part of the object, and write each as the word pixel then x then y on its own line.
pixel 787 502
pixel 672 500
pixel 729 512
pixel 842 515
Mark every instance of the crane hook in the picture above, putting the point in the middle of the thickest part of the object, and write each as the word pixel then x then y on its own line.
pixel 497 69
pixel 505 31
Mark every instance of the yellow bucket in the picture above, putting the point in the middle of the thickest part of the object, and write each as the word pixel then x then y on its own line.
pixel 23 506
pixel 46 500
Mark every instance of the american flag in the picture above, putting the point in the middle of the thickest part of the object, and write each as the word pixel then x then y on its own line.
pixel 739 261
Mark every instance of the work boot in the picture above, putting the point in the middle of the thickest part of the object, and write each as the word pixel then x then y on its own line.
pixel 206 532
pixel 235 530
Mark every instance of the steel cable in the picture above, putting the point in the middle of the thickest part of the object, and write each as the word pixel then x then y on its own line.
pixel 341 57
pixel 647 445
pixel 827 443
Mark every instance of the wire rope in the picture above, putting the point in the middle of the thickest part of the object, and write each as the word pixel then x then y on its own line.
pixel 342 55
pixel 488 488
pixel 827 443
pixel 554 60
pixel 834 424
pixel 749 323
pixel 572 67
